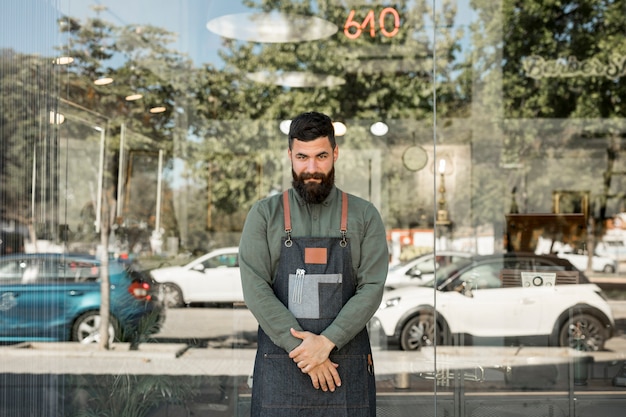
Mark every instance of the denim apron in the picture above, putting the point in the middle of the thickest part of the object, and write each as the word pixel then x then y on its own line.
pixel 314 280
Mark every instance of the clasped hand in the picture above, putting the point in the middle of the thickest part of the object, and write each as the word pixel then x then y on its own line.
pixel 312 359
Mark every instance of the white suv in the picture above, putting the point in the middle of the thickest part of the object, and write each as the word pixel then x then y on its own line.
pixel 508 298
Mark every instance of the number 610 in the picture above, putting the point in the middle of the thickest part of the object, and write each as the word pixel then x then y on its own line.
pixel 353 29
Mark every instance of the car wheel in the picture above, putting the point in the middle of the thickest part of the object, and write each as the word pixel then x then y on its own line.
pixel 583 332
pixel 419 331
pixel 609 269
pixel 172 296
pixel 86 328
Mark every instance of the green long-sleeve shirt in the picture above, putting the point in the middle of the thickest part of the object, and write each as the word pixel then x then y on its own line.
pixel 259 252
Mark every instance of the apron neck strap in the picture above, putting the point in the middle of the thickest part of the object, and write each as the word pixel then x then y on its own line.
pixel 344 219
pixel 344 212
pixel 287 216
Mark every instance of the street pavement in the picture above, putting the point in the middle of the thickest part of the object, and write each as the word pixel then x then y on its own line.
pixel 222 341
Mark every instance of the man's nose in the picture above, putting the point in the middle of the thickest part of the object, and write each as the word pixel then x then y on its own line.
pixel 311 165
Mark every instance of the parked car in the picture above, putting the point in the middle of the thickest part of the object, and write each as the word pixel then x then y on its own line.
pixel 613 248
pixel 56 297
pixel 211 278
pixel 598 263
pixel 421 268
pixel 508 299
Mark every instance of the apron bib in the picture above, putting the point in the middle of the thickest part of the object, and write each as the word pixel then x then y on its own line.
pixel 314 280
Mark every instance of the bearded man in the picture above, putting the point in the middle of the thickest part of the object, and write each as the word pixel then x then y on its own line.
pixel 313 262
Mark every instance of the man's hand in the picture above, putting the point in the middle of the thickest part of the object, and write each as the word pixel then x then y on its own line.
pixel 312 352
pixel 325 376
pixel 312 359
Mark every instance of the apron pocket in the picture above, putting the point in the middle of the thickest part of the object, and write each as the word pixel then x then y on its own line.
pixel 315 296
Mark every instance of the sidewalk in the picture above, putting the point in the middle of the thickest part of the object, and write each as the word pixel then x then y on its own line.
pixel 179 359
pixel 148 359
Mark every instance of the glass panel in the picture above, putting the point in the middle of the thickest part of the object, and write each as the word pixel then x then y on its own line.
pixel 135 137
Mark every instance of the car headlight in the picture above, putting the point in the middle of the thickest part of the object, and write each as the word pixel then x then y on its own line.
pixel 391 302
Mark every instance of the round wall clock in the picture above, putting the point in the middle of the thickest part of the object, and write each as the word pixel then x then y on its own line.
pixel 414 158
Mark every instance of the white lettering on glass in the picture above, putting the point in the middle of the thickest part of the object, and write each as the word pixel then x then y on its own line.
pixel 537 67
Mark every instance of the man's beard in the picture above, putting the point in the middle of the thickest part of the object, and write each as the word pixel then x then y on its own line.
pixel 313 192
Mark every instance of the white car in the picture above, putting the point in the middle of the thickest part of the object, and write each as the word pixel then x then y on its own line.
pixel 211 278
pixel 498 299
pixel 598 263
pixel 421 269
pixel 614 249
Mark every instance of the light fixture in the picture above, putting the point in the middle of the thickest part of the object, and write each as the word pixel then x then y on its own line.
pixel 295 79
pixel 158 109
pixel 444 167
pixel 56 118
pixel 441 168
pixel 443 164
pixel 284 126
pixel 133 97
pixel 379 129
pixel 340 128
pixel 271 27
pixel 64 60
pixel 103 81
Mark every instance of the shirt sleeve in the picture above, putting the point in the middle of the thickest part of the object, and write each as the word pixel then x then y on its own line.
pixel 371 273
pixel 255 264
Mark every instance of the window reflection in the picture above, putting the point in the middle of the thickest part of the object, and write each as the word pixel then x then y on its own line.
pixel 523 98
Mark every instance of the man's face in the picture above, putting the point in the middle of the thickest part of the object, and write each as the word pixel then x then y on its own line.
pixel 312 165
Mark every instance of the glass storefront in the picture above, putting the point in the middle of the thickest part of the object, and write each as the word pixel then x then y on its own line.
pixel 487 133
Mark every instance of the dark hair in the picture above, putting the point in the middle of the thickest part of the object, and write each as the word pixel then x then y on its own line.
pixel 310 126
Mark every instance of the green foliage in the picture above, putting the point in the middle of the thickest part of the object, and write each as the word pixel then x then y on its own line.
pixel 131 395
pixel 222 124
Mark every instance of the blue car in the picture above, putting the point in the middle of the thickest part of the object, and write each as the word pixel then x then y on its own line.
pixel 56 297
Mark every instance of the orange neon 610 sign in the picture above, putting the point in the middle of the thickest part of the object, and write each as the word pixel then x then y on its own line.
pixel 353 29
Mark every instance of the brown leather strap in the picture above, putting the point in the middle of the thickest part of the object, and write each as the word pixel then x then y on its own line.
pixel 287 211
pixel 344 212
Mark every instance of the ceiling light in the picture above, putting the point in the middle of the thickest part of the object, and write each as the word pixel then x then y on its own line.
pixel 159 109
pixel 103 81
pixel 56 118
pixel 295 79
pixel 340 128
pixel 284 126
pixel 271 27
pixel 64 60
pixel 134 97
pixel 379 129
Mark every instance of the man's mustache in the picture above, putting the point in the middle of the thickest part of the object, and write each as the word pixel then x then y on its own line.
pixel 312 176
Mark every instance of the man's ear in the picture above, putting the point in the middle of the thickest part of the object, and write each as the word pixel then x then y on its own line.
pixel 335 153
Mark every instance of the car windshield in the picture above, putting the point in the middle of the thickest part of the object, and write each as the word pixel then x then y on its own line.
pixel 402 264
pixel 443 273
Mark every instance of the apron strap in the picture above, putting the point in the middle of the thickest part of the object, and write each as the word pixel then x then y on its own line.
pixel 287 214
pixel 344 218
